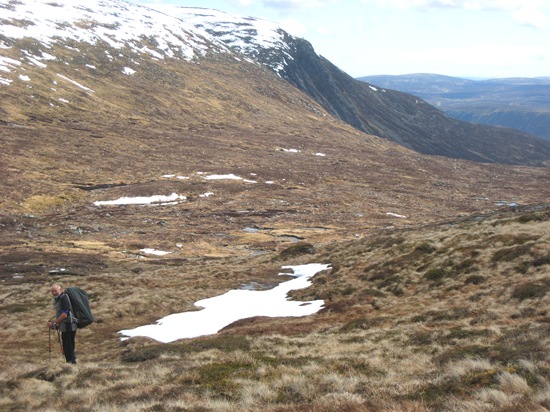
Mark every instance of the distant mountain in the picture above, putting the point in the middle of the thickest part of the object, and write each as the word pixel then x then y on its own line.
pixel 34 34
pixel 519 103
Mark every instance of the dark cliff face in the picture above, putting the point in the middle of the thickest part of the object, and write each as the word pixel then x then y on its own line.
pixel 403 118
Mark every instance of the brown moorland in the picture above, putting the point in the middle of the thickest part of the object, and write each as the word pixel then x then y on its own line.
pixel 436 300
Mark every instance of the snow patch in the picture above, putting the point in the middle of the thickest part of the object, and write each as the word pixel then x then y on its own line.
pixel 6 63
pixel 140 200
pixel 230 176
pixel 235 32
pixel 120 24
pixel 506 203
pixel 222 310
pixel 128 71
pixel 87 89
pixel 37 62
pixel 396 215
pixel 155 252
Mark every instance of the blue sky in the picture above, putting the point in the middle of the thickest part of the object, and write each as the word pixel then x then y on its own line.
pixel 463 38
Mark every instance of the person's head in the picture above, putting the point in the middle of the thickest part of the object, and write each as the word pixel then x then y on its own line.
pixel 56 289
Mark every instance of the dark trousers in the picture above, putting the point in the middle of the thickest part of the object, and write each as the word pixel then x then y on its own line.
pixel 68 345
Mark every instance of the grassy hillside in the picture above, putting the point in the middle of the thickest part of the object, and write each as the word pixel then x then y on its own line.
pixel 452 316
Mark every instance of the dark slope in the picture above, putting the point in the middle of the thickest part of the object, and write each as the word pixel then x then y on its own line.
pixel 406 119
pixel 401 118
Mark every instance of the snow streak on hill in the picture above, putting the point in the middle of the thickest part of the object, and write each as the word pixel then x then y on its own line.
pixel 163 32
pixel 117 23
pixel 260 40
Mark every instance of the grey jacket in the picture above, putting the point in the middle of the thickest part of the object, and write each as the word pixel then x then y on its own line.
pixel 62 304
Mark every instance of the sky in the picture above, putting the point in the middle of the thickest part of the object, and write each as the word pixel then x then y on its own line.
pixel 463 38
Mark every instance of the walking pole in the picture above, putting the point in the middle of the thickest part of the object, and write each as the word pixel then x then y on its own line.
pixel 59 340
pixel 49 345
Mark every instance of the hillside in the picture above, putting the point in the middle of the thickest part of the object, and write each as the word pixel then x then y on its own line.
pixel 427 318
pixel 395 116
pixel 519 103
pixel 119 142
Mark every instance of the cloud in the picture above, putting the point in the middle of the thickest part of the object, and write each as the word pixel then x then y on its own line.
pixel 463 4
pixel 293 27
pixel 323 31
pixel 532 17
pixel 533 13
pixel 460 4
pixel 287 4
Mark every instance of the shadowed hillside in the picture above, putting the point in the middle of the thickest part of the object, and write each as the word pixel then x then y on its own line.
pixel 406 119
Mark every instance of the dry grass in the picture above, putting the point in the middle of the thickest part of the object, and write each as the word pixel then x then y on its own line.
pixel 391 337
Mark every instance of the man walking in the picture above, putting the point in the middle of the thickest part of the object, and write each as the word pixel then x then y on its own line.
pixel 65 321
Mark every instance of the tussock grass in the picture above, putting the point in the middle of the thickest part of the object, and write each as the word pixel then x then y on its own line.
pixel 474 338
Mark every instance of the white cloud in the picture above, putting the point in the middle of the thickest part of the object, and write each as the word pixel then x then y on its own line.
pixel 533 13
pixel 463 4
pixel 494 58
pixel 532 17
pixel 466 4
pixel 286 4
pixel 294 27
pixel 323 31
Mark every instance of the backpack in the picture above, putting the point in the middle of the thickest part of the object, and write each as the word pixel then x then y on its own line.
pixel 81 306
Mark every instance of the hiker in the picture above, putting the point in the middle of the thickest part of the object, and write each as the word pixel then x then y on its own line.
pixel 64 321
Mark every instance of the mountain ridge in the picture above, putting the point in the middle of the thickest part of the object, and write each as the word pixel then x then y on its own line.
pixel 296 60
pixel 412 123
